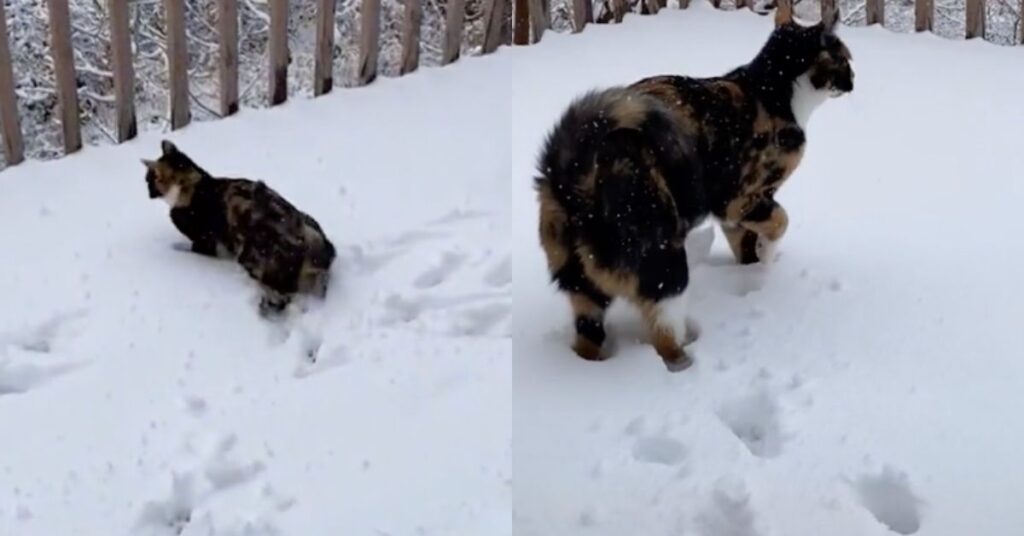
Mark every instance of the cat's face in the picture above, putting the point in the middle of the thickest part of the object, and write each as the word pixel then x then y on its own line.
pixel 832 67
pixel 813 50
pixel 171 175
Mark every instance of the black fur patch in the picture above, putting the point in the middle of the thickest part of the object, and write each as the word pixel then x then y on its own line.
pixel 590 328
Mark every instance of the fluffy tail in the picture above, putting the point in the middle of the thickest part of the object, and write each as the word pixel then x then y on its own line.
pixel 609 162
pixel 632 196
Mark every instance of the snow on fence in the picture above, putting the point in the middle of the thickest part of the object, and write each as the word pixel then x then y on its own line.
pixel 530 19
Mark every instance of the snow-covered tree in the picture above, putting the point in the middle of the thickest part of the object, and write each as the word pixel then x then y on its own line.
pixel 37 97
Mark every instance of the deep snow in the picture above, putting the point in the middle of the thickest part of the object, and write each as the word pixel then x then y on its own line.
pixel 865 381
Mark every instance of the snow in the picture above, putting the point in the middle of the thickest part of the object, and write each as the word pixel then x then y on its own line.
pixel 840 391
pixel 863 384
pixel 140 393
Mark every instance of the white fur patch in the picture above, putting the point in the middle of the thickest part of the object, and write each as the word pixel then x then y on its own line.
pixel 698 245
pixel 672 315
pixel 766 250
pixel 806 99
pixel 172 195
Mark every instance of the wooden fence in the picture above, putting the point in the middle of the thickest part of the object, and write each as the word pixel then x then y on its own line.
pixel 531 19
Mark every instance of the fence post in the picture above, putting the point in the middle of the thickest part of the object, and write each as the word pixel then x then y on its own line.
pixel 828 7
pixel 323 68
pixel 411 36
pixel 874 12
pixel 124 72
pixel 975 19
pixel 783 10
pixel 521 23
pixel 14 145
pixel 177 61
pixel 539 18
pixel 924 15
pixel 369 35
pixel 494 19
pixel 1020 24
pixel 453 31
pixel 227 28
pixel 278 74
pixel 64 68
pixel 579 15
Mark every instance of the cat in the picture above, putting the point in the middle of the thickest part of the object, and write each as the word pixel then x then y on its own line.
pixel 627 172
pixel 281 247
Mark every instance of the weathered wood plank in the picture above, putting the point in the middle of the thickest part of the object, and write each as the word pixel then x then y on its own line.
pixel 453 31
pixel 975 19
pixel 323 65
pixel 1020 24
pixel 369 37
pixel 177 61
pixel 227 28
pixel 14 144
pixel 924 15
pixel 124 71
pixel 783 11
pixel 621 8
pixel 277 89
pixel 506 26
pixel 540 19
pixel 612 11
pixel 874 12
pixel 828 7
pixel 579 15
pixel 64 69
pixel 521 31
pixel 411 36
pixel 494 19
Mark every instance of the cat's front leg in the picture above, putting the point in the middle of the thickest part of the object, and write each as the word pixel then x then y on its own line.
pixel 204 246
pixel 754 238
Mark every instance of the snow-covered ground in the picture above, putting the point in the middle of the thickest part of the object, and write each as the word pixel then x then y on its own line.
pixel 141 395
pixel 866 381
pixel 867 384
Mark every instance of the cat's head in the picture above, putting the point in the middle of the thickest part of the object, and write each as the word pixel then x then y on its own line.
pixel 173 176
pixel 797 49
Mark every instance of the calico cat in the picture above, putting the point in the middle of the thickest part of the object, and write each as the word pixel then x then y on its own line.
pixel 627 172
pixel 281 247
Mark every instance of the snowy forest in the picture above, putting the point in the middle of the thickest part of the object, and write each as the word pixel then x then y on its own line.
pixel 37 97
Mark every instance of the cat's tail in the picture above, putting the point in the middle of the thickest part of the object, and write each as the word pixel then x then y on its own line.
pixel 609 166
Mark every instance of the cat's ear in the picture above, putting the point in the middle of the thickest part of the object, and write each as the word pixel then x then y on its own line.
pixel 148 163
pixel 168 148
